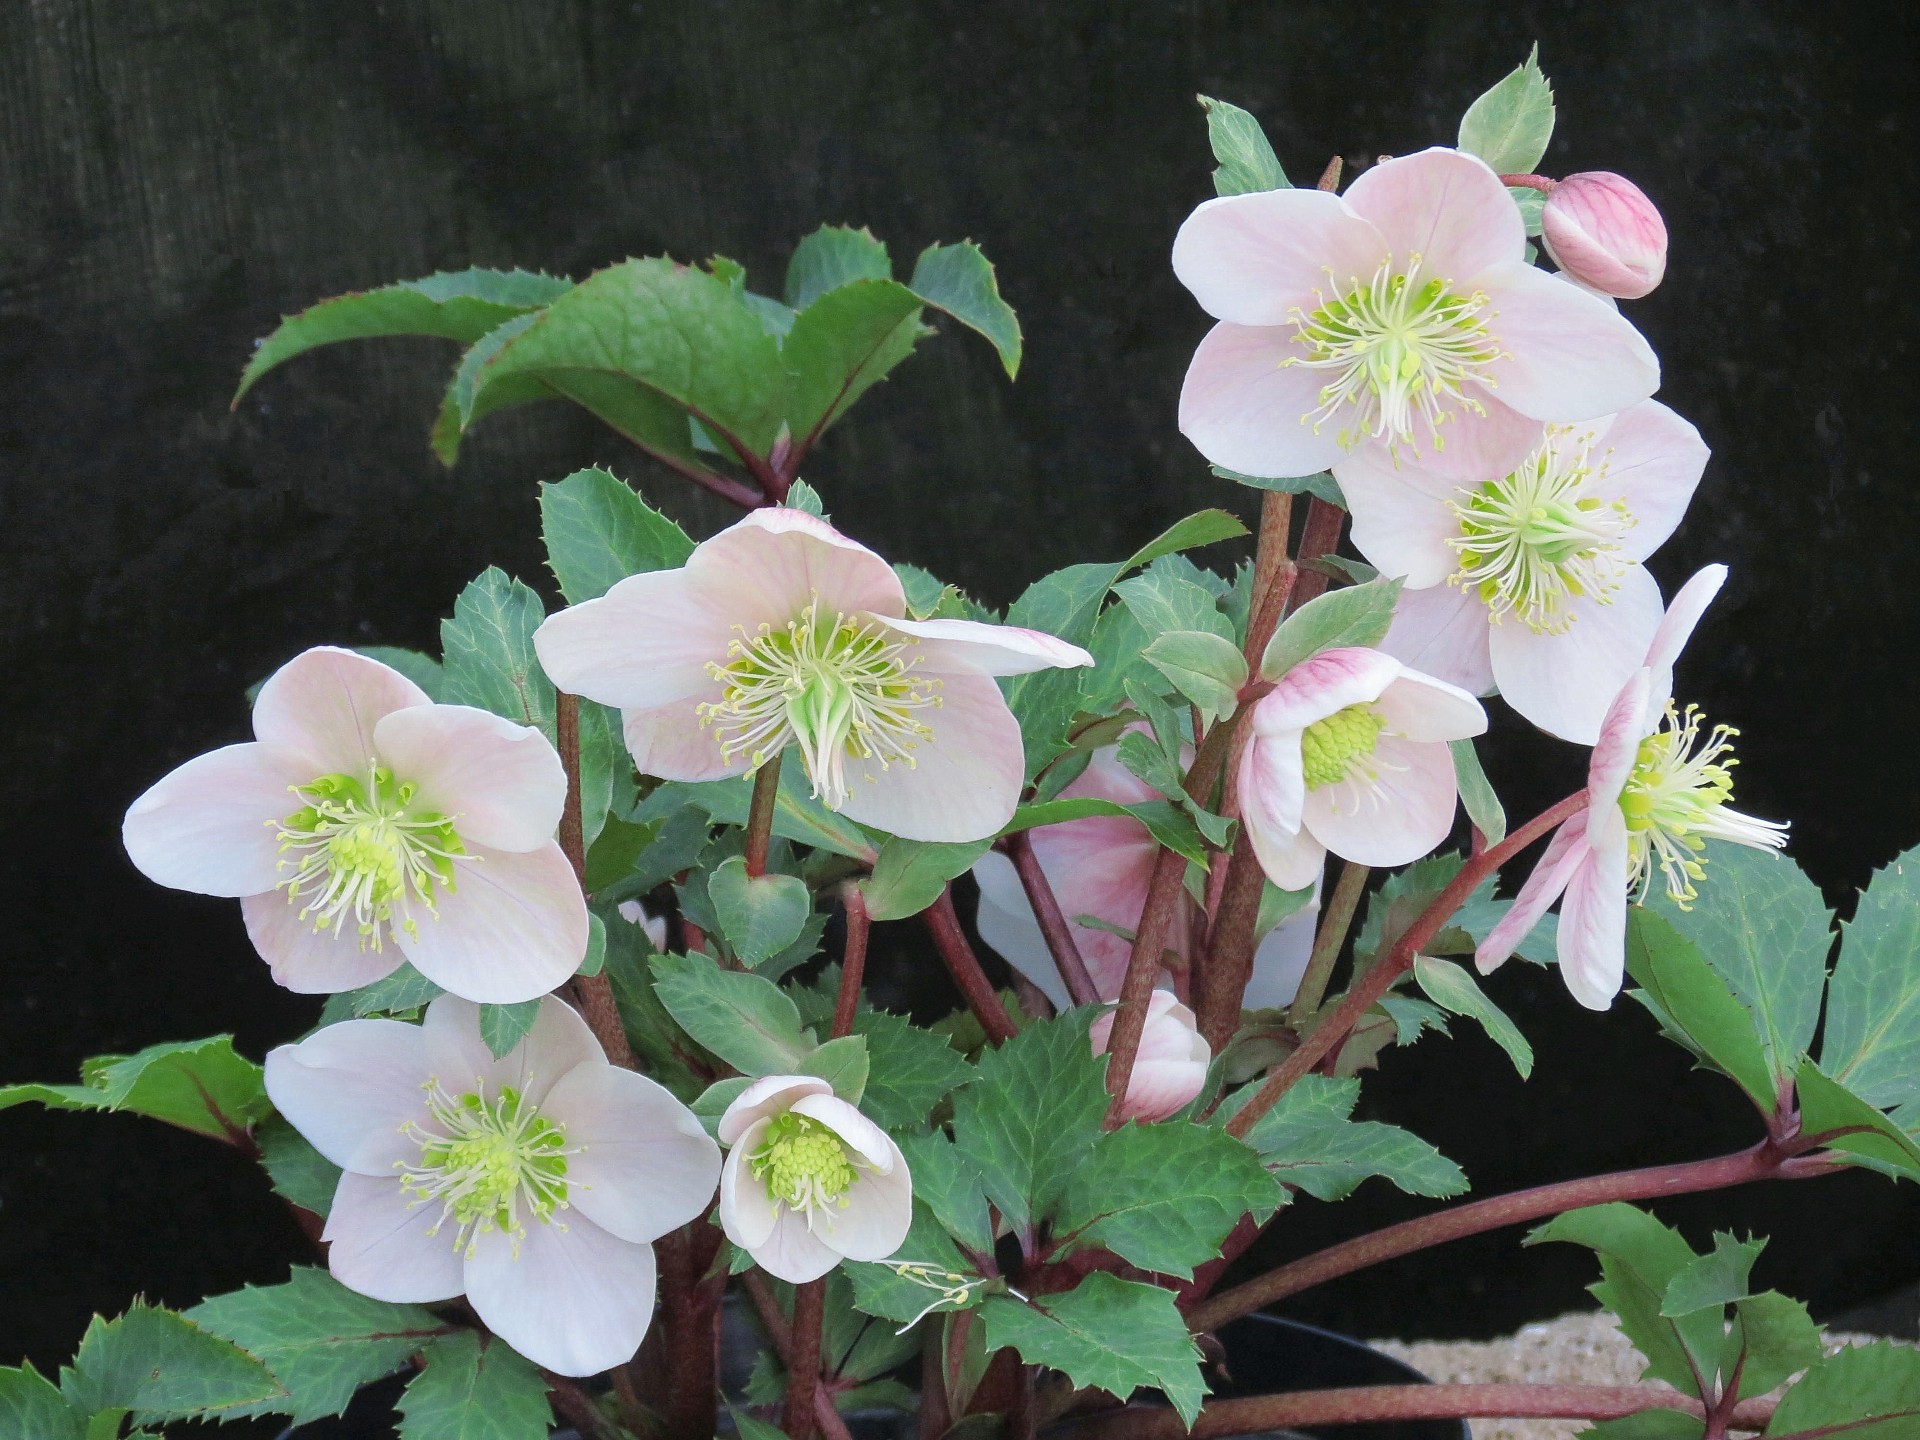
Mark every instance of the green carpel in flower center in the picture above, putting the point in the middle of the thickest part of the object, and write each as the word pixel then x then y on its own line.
pixel 803 1163
pixel 490 1164
pixel 1341 743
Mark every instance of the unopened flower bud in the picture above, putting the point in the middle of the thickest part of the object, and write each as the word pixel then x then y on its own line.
pixel 1603 231
pixel 1171 1064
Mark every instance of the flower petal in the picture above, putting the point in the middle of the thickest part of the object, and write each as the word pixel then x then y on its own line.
pixel 1654 460
pixel 1281 959
pixel 875 1218
pixel 965 778
pixel 1158 1088
pixel 310 962
pixel 1564 853
pixel 1272 782
pixel 1565 355
pixel 1395 820
pixel 209 826
pixel 1400 524
pixel 1443 632
pixel 1323 685
pixel 850 1125
pixel 970 647
pixel 1292 859
pixel 766 1097
pixel 558 1043
pixel 1246 409
pixel 670 742
pixel 793 1252
pixel 1628 721
pixel 644 1166
pixel 1677 627
pixel 1419 707
pixel 1563 683
pixel 514 929
pixel 772 564
pixel 746 1213
pixel 645 643
pixel 351 1088
pixel 378 1244
pixel 1447 207
pixel 1593 916
pixel 575 1299
pixel 321 706
pixel 501 783
pixel 1466 446
pixel 1256 259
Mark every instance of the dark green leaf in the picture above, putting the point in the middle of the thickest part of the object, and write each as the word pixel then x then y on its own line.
pixel 1772 1337
pixel 910 1070
pixel 166 1367
pixel 832 256
pixel 1356 615
pixel 1065 603
pixel 199 1085
pixel 842 345
pixel 1247 161
pixel 843 1064
pixel 598 531
pixel 1510 125
pixel 944 1183
pixel 1454 989
pixel 1879 1383
pixel 1648 1425
pixel 488 646
pixel 1204 527
pixel 1116 1335
pixel 299 1172
pixel 505 1026
pixel 1872 1043
pixel 32 1408
pixel 1306 1140
pixel 1714 1280
pixel 1827 1106
pixel 474 1389
pixel 745 1019
pixel 1322 485
pixel 1697 1002
pixel 927 1274
pixel 960 280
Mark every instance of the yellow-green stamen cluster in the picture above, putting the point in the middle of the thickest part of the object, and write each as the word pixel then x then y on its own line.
pixel 1534 541
pixel 841 690
pixel 1341 743
pixel 1676 800
pixel 363 858
pixel 1396 346
pixel 490 1164
pixel 803 1163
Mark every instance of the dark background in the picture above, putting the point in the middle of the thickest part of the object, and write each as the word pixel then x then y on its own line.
pixel 178 173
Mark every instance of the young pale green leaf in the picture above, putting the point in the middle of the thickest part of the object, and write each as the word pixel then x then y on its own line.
pixel 832 256
pixel 1322 486
pixel 598 531
pixel 745 1019
pixel 1876 1140
pixel 760 915
pixel 843 1064
pixel 1116 1335
pixel 166 1367
pixel 910 875
pixel 1772 1337
pixel 1208 669
pixel 1204 527
pixel 1716 1279
pixel 474 1388
pixel 949 1188
pixel 959 280
pixel 1687 994
pixel 1065 603
pixel 488 644
pixel 842 345
pixel 1163 602
pixel 1510 125
pixel 1862 1392
pixel 802 496
pixel 1872 1042
pixel 1306 1140
pixel 505 1026
pixel 322 1340
pixel 1357 615
pixel 1532 205
pixel 1454 990
pixel 32 1407
pixel 298 1172
pixel 1476 792
pixel 712 1102
pixel 199 1085
pixel 1247 161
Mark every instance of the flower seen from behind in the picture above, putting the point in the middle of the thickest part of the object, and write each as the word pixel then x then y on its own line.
pixel 1169 1068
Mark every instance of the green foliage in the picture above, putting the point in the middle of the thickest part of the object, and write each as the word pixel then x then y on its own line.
pixel 1114 1334
pixel 759 915
pixel 1322 486
pixel 1165 602
pixel 927 1274
pixel 843 1064
pixel 32 1408
pixel 1694 1005
pixel 1872 1041
pixel 298 1172
pixel 1715 1279
pixel 834 255
pixel 474 1389
pixel 505 1026
pixel 198 1085
pixel 1170 825
pixel 796 814
pixel 745 1019
pixel 1864 1392
pixel 842 345
pixel 1307 1140
pixel 400 993
pixel 1206 668
pixel 948 1187
pixel 1476 792
pixel 1510 125
pixel 1203 527
pixel 1404 897
pixel 1065 603
pixel 1648 1425
pixel 1354 615
pixel 1873 1138
pixel 910 875
pixel 960 280
pixel 164 1366
pixel 598 531
pixel 1247 161
pixel 1454 989
pixel 910 1070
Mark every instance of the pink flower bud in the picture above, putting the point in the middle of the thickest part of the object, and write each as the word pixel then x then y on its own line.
pixel 1602 230
pixel 1171 1064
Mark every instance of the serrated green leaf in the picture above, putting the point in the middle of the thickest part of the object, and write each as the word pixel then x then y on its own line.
pixel 843 1064
pixel 298 1172
pixel 505 1026
pixel 1065 603
pixel 1532 204
pixel 959 280
pixel 1208 669
pixel 745 1019
pixel 32 1407
pixel 1772 1337
pixel 1247 161
pixel 1454 989
pixel 1204 527
pixel 842 345
pixel 1308 1141
pixel 1698 1003
pixel 1648 1425
pixel 1169 824
pixel 1323 485
pixel 1402 899
pixel 910 875
pixel 474 1389
pixel 832 256
pixel 796 815
pixel 949 1188
pixel 166 1367
pixel 198 1085
pixel 1164 602
pixel 909 1070
pixel 1356 615
pixel 1863 1392
pixel 1116 1335
pixel 1716 1279
pixel 1509 126
pixel 926 1275
pixel 1826 1106
pixel 598 531
pixel 1476 792
pixel 1872 1042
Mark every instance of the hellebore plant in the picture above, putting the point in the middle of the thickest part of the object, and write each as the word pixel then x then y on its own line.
pixel 593 895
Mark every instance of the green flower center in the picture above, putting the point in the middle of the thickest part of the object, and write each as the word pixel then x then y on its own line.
pixel 1675 800
pixel 1532 542
pixel 841 690
pixel 803 1163
pixel 1396 346
pixel 489 1164
pixel 1341 743
pixel 361 856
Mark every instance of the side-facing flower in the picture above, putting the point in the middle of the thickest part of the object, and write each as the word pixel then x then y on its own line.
pixel 1099 868
pixel 1171 1064
pixel 809 1181
pixel 366 825
pixel 1348 753
pixel 534 1184
pixel 781 631
pixel 1657 790
pixel 1400 319
pixel 1534 583
pixel 1603 231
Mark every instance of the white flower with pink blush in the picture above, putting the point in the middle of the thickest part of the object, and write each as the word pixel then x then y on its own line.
pixel 781 631
pixel 534 1184
pixel 1099 868
pixel 1658 784
pixel 1400 320
pixel 1534 583
pixel 1171 1064
pixel 366 825
pixel 1348 753
pixel 809 1181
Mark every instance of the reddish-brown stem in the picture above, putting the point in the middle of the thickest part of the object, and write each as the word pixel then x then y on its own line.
pixel 1541 183
pixel 853 960
pixel 1380 977
pixel 690 1403
pixel 964 966
pixel 1053 924
pixel 577 1408
pixel 1272 572
pixel 1166 891
pixel 803 1360
pixel 1335 921
pixel 1330 177
pixel 1220 984
pixel 766 794
pixel 781 1334
pixel 594 992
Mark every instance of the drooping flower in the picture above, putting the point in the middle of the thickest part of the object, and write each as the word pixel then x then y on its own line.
pixel 809 1181
pixel 1400 320
pixel 1171 1064
pixel 1348 753
pixel 366 825
pixel 1603 232
pixel 1100 868
pixel 533 1184
pixel 1533 583
pixel 1658 784
pixel 781 631
pixel 653 926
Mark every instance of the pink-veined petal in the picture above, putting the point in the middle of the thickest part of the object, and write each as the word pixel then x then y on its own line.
pixel 1394 819
pixel 1628 721
pixel 208 826
pixel 670 742
pixel 501 783
pixel 645 1166
pixel 1565 355
pixel 1246 409
pixel 764 1098
pixel 574 1299
pixel 378 1244
pixel 1565 851
pixel 971 647
pixel 1653 461
pixel 965 778
pixel 1677 627
pixel 1564 683
pixel 1256 259
pixel 645 643
pixel 351 1088
pixel 1292 859
pixel 1400 524
pixel 1593 916
pixel 321 706
pixel 1281 959
pixel 772 564
pixel 1443 632
pixel 308 961
pixel 515 927
pixel 1419 707
pixel 1323 685
pixel 1447 207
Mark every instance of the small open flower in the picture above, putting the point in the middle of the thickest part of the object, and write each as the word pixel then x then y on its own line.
pixel 1657 790
pixel 1534 583
pixel 1603 231
pixel 1349 754
pixel 809 1181
pixel 365 826
pixel 1171 1064
pixel 1400 320
pixel 781 631
pixel 1099 869
pixel 533 1184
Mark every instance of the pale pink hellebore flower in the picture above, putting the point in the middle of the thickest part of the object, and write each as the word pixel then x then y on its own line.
pixel 367 825
pixel 809 1181
pixel 781 631
pixel 1171 1064
pixel 1603 232
pixel 1399 320
pixel 1100 867
pixel 1348 754
pixel 1534 583
pixel 1652 804
pixel 533 1184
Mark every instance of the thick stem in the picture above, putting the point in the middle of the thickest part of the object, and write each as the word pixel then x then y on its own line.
pixel 1221 983
pixel 1396 962
pixel 781 1334
pixel 1166 891
pixel 1272 572
pixel 578 1409
pixel 853 960
pixel 964 966
pixel 803 1360
pixel 1053 924
pixel 1335 921
pixel 594 992
pixel 766 794
pixel 725 486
